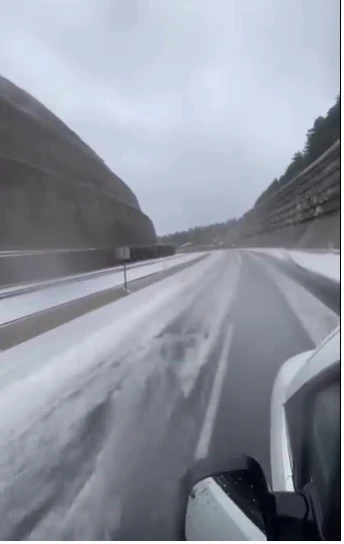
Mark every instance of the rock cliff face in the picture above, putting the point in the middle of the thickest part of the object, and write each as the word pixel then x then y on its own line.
pixel 55 192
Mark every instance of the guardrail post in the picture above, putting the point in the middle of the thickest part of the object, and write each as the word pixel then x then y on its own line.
pixel 125 276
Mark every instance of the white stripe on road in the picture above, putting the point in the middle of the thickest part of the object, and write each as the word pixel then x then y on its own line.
pixel 239 258
pixel 214 400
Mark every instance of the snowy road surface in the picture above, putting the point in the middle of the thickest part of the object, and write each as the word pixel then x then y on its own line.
pixel 106 419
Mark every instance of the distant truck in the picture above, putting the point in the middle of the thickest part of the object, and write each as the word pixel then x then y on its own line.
pixel 141 253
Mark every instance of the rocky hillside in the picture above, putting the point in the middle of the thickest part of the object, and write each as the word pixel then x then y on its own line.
pixel 55 192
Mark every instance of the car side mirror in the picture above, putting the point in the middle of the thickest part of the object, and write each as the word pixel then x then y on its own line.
pixel 238 505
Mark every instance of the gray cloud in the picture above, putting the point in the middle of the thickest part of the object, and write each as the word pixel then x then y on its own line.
pixel 196 104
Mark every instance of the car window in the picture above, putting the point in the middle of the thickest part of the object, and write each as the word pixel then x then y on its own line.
pixel 324 436
pixel 323 451
pixel 313 416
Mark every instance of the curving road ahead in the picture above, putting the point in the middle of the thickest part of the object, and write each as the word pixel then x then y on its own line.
pixel 104 442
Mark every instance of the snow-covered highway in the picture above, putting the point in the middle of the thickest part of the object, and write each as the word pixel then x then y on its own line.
pixel 104 418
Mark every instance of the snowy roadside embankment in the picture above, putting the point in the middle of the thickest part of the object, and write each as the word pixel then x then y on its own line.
pixel 325 264
pixel 17 306
pixel 78 421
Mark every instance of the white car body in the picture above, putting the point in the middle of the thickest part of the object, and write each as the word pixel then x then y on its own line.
pixel 294 373
pixel 223 519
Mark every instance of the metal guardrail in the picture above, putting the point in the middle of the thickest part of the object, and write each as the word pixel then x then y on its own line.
pixel 30 266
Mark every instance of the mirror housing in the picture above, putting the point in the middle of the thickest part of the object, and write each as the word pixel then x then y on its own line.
pixel 238 505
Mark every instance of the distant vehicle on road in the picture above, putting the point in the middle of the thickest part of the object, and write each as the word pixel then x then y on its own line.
pixel 140 253
pixel 304 503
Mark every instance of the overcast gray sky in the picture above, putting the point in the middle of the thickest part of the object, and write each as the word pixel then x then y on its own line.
pixel 196 104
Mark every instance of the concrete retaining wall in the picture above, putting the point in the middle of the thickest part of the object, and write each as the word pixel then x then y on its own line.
pixel 303 213
pixel 41 210
pixel 55 192
pixel 320 233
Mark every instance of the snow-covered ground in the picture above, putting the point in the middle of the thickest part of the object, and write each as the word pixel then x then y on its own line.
pixel 57 292
pixel 279 253
pixel 325 264
pixel 102 417
pixel 84 388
